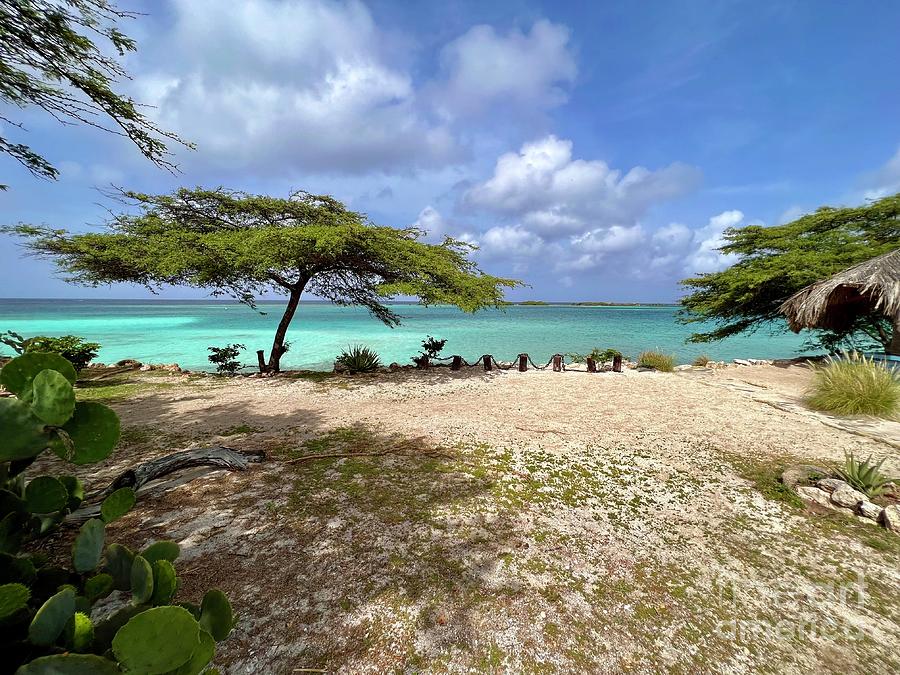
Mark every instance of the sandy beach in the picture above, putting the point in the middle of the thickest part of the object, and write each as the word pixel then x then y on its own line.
pixel 517 522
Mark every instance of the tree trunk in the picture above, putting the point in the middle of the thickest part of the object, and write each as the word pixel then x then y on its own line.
pixel 278 348
pixel 894 347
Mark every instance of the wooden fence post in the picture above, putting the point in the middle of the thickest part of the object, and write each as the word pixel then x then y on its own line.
pixel 261 359
pixel 457 362
pixel 523 362
pixel 557 363
pixel 617 363
pixel 487 358
pixel 591 365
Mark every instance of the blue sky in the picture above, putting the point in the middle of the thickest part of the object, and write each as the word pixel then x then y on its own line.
pixel 594 150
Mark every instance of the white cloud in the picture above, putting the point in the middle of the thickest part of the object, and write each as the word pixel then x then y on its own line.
pixel 274 86
pixel 556 195
pixel 431 222
pixel 885 181
pixel 510 242
pixel 705 257
pixel 482 68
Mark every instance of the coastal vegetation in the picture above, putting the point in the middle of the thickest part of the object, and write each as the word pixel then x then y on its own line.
pixel 664 363
pixel 855 385
pixel 48 608
pixel 74 349
pixel 597 354
pixel 358 359
pixel 431 349
pixel 71 73
pixel 225 358
pixel 777 261
pixel 864 475
pixel 242 245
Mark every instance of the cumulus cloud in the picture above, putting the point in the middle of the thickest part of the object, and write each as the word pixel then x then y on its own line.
pixel 557 196
pixel 885 181
pixel 705 256
pixel 273 85
pixel 483 67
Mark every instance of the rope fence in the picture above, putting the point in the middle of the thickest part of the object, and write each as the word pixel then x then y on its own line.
pixel 557 362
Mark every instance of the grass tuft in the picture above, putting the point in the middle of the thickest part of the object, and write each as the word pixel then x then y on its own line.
pixel 855 385
pixel 657 360
pixel 702 360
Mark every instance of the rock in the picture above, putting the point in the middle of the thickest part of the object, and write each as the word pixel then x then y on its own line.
pixel 831 484
pixel 147 367
pixel 847 497
pixel 816 496
pixel 890 518
pixel 741 362
pixel 760 362
pixel 677 368
pixel 868 510
pixel 394 366
pixel 801 474
pixel 129 362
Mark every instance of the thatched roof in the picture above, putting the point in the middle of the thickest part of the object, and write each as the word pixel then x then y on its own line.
pixel 871 286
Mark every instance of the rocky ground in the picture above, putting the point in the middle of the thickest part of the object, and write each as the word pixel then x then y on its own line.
pixel 518 522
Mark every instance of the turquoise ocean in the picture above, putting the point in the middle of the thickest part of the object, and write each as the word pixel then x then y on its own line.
pixel 179 331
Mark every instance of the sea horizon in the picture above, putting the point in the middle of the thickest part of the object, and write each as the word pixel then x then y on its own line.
pixel 162 330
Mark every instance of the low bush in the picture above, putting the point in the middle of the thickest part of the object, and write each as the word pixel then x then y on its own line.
pixel 664 363
pixel 225 358
pixel 431 349
pixel 71 347
pixel 864 476
pixel 358 359
pixel 599 355
pixel 49 603
pixel 855 385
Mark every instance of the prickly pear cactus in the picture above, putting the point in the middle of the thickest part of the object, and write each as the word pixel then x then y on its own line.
pixel 46 613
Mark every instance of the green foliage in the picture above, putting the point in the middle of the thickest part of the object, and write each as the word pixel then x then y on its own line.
pixel 775 262
pixel 157 641
pixel 431 349
pixel 70 73
pixel 358 359
pixel 855 385
pixel 864 476
pixel 599 355
pixel 46 611
pixel 664 363
pixel 117 504
pixel 244 245
pixel 225 358
pixel 71 347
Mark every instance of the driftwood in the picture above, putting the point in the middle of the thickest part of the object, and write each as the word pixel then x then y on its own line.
pixel 146 476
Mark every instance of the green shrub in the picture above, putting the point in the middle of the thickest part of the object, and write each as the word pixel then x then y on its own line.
pixel 855 385
pixel 225 358
pixel 657 360
pixel 702 360
pixel 71 347
pixel 599 355
pixel 431 349
pixel 864 476
pixel 46 608
pixel 358 359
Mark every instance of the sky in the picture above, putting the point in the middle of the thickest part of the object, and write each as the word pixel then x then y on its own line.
pixel 594 150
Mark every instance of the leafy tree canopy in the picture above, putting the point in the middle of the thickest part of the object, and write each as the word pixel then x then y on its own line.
pixel 778 261
pixel 50 58
pixel 244 245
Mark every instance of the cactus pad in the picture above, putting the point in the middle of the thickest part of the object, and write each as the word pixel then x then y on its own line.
pixel 88 547
pixel 119 559
pixel 94 430
pixel 70 664
pixel 45 494
pixel 141 581
pixel 161 550
pixel 98 586
pixel 52 617
pixel 18 374
pixel 13 598
pixel 23 433
pixel 157 641
pixel 215 614
pixel 52 398
pixel 165 583
pixel 117 504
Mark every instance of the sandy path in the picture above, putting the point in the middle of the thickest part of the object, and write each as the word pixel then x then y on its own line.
pixel 565 522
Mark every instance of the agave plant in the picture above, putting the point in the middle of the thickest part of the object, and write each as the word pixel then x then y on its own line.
pixel 864 476
pixel 359 359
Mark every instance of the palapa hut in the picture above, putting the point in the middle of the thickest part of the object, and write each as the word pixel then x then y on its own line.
pixel 871 287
